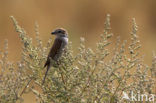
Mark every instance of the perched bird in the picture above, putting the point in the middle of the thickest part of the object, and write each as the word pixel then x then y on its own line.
pixel 57 49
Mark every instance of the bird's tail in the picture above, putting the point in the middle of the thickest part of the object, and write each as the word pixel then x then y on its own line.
pixel 48 67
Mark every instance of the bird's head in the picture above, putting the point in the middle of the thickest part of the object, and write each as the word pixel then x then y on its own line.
pixel 60 32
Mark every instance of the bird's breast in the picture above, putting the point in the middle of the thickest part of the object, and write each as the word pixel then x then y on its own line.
pixel 65 39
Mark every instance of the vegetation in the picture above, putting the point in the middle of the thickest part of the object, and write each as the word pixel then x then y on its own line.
pixel 89 76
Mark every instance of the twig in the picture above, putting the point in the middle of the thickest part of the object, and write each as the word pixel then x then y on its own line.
pixel 26 87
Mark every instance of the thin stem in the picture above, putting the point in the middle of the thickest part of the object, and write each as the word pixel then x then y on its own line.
pixel 26 87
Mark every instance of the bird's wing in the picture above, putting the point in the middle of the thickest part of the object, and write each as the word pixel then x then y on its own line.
pixel 54 50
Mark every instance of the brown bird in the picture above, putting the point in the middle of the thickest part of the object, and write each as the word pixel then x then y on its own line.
pixel 57 49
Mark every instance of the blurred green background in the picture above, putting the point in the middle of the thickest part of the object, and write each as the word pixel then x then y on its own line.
pixel 81 18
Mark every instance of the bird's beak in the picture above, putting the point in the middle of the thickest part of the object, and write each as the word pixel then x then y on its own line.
pixel 53 33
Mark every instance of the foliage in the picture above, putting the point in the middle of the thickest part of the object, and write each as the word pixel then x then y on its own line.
pixel 89 76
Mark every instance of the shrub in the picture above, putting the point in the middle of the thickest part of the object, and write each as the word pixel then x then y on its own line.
pixel 89 76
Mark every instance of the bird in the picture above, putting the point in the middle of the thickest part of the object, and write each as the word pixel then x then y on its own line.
pixel 57 49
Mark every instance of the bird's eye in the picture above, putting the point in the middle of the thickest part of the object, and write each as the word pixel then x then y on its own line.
pixel 59 31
